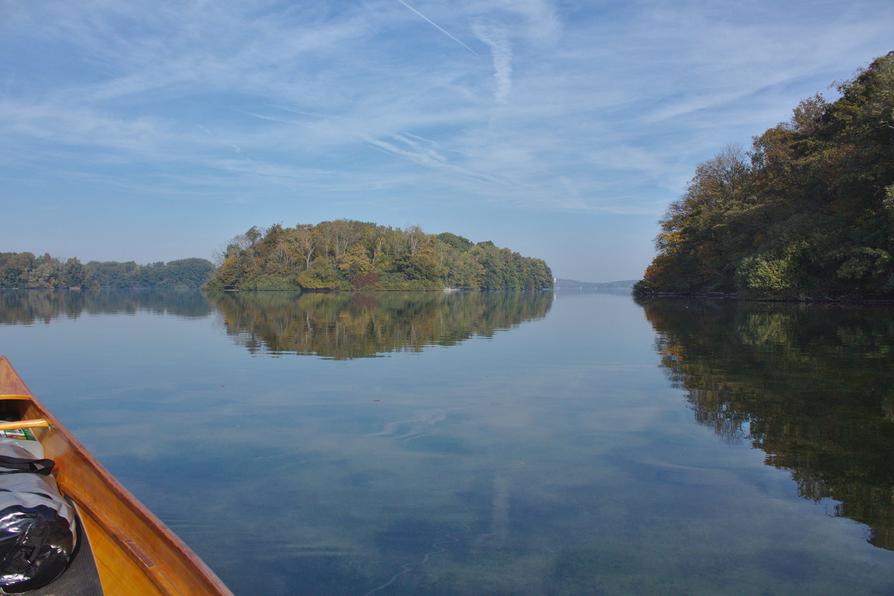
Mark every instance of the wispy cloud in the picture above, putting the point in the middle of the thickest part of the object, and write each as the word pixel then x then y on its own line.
pixel 439 28
pixel 501 53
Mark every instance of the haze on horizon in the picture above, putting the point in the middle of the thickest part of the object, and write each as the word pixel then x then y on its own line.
pixel 159 131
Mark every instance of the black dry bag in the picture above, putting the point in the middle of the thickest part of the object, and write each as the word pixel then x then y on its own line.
pixel 37 526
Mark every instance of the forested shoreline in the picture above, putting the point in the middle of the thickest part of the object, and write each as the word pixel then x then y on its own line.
pixel 353 255
pixel 332 255
pixel 24 270
pixel 806 214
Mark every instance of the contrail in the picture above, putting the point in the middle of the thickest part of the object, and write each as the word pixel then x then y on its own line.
pixel 438 27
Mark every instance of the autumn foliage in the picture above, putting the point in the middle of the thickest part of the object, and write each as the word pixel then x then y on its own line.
pixel 346 255
pixel 807 212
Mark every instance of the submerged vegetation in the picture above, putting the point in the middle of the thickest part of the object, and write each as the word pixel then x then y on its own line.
pixel 344 326
pixel 23 270
pixel 832 429
pixel 345 255
pixel 808 213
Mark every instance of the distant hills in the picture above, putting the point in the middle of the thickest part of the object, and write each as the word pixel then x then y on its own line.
pixel 605 286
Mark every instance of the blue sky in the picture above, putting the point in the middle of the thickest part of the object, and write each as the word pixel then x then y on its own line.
pixel 159 130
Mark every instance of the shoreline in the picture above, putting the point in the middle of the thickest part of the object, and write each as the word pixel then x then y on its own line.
pixel 780 299
pixel 368 290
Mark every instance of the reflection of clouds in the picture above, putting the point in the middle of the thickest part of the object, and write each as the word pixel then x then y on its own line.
pixel 495 538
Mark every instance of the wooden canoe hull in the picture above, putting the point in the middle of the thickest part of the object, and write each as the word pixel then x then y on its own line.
pixel 135 552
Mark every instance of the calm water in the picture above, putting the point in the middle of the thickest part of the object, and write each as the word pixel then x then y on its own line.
pixel 487 443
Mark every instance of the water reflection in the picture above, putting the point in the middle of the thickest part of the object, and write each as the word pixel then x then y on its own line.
pixel 26 307
pixel 344 326
pixel 812 387
pixel 555 459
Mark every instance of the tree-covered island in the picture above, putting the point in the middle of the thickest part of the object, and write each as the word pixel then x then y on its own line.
pixel 346 255
pixel 808 213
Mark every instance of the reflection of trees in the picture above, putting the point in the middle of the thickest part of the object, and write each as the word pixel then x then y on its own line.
pixel 347 326
pixel 813 387
pixel 28 306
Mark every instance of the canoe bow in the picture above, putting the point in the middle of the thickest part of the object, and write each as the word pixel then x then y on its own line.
pixel 135 552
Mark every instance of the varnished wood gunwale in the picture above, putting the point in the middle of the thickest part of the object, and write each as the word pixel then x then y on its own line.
pixel 135 552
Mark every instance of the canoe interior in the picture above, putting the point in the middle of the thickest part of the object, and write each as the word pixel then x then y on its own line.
pixel 135 552
pixel 81 578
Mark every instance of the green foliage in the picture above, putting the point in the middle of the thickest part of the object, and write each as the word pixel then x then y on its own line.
pixel 888 202
pixel 322 275
pixel 862 263
pixel 342 254
pixel 763 274
pixel 270 281
pixel 25 271
pixel 809 211
pixel 186 273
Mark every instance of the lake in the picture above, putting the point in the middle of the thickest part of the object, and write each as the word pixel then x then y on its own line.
pixel 486 443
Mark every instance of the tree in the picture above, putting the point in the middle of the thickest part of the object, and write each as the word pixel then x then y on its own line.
pixel 355 261
pixel 252 235
pixel 414 237
pixel 74 273
pixel 305 239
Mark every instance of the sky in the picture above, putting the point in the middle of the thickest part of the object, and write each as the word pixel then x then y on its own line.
pixel 152 131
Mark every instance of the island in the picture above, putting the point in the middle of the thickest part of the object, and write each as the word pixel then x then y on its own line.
pixel 354 255
pixel 807 214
